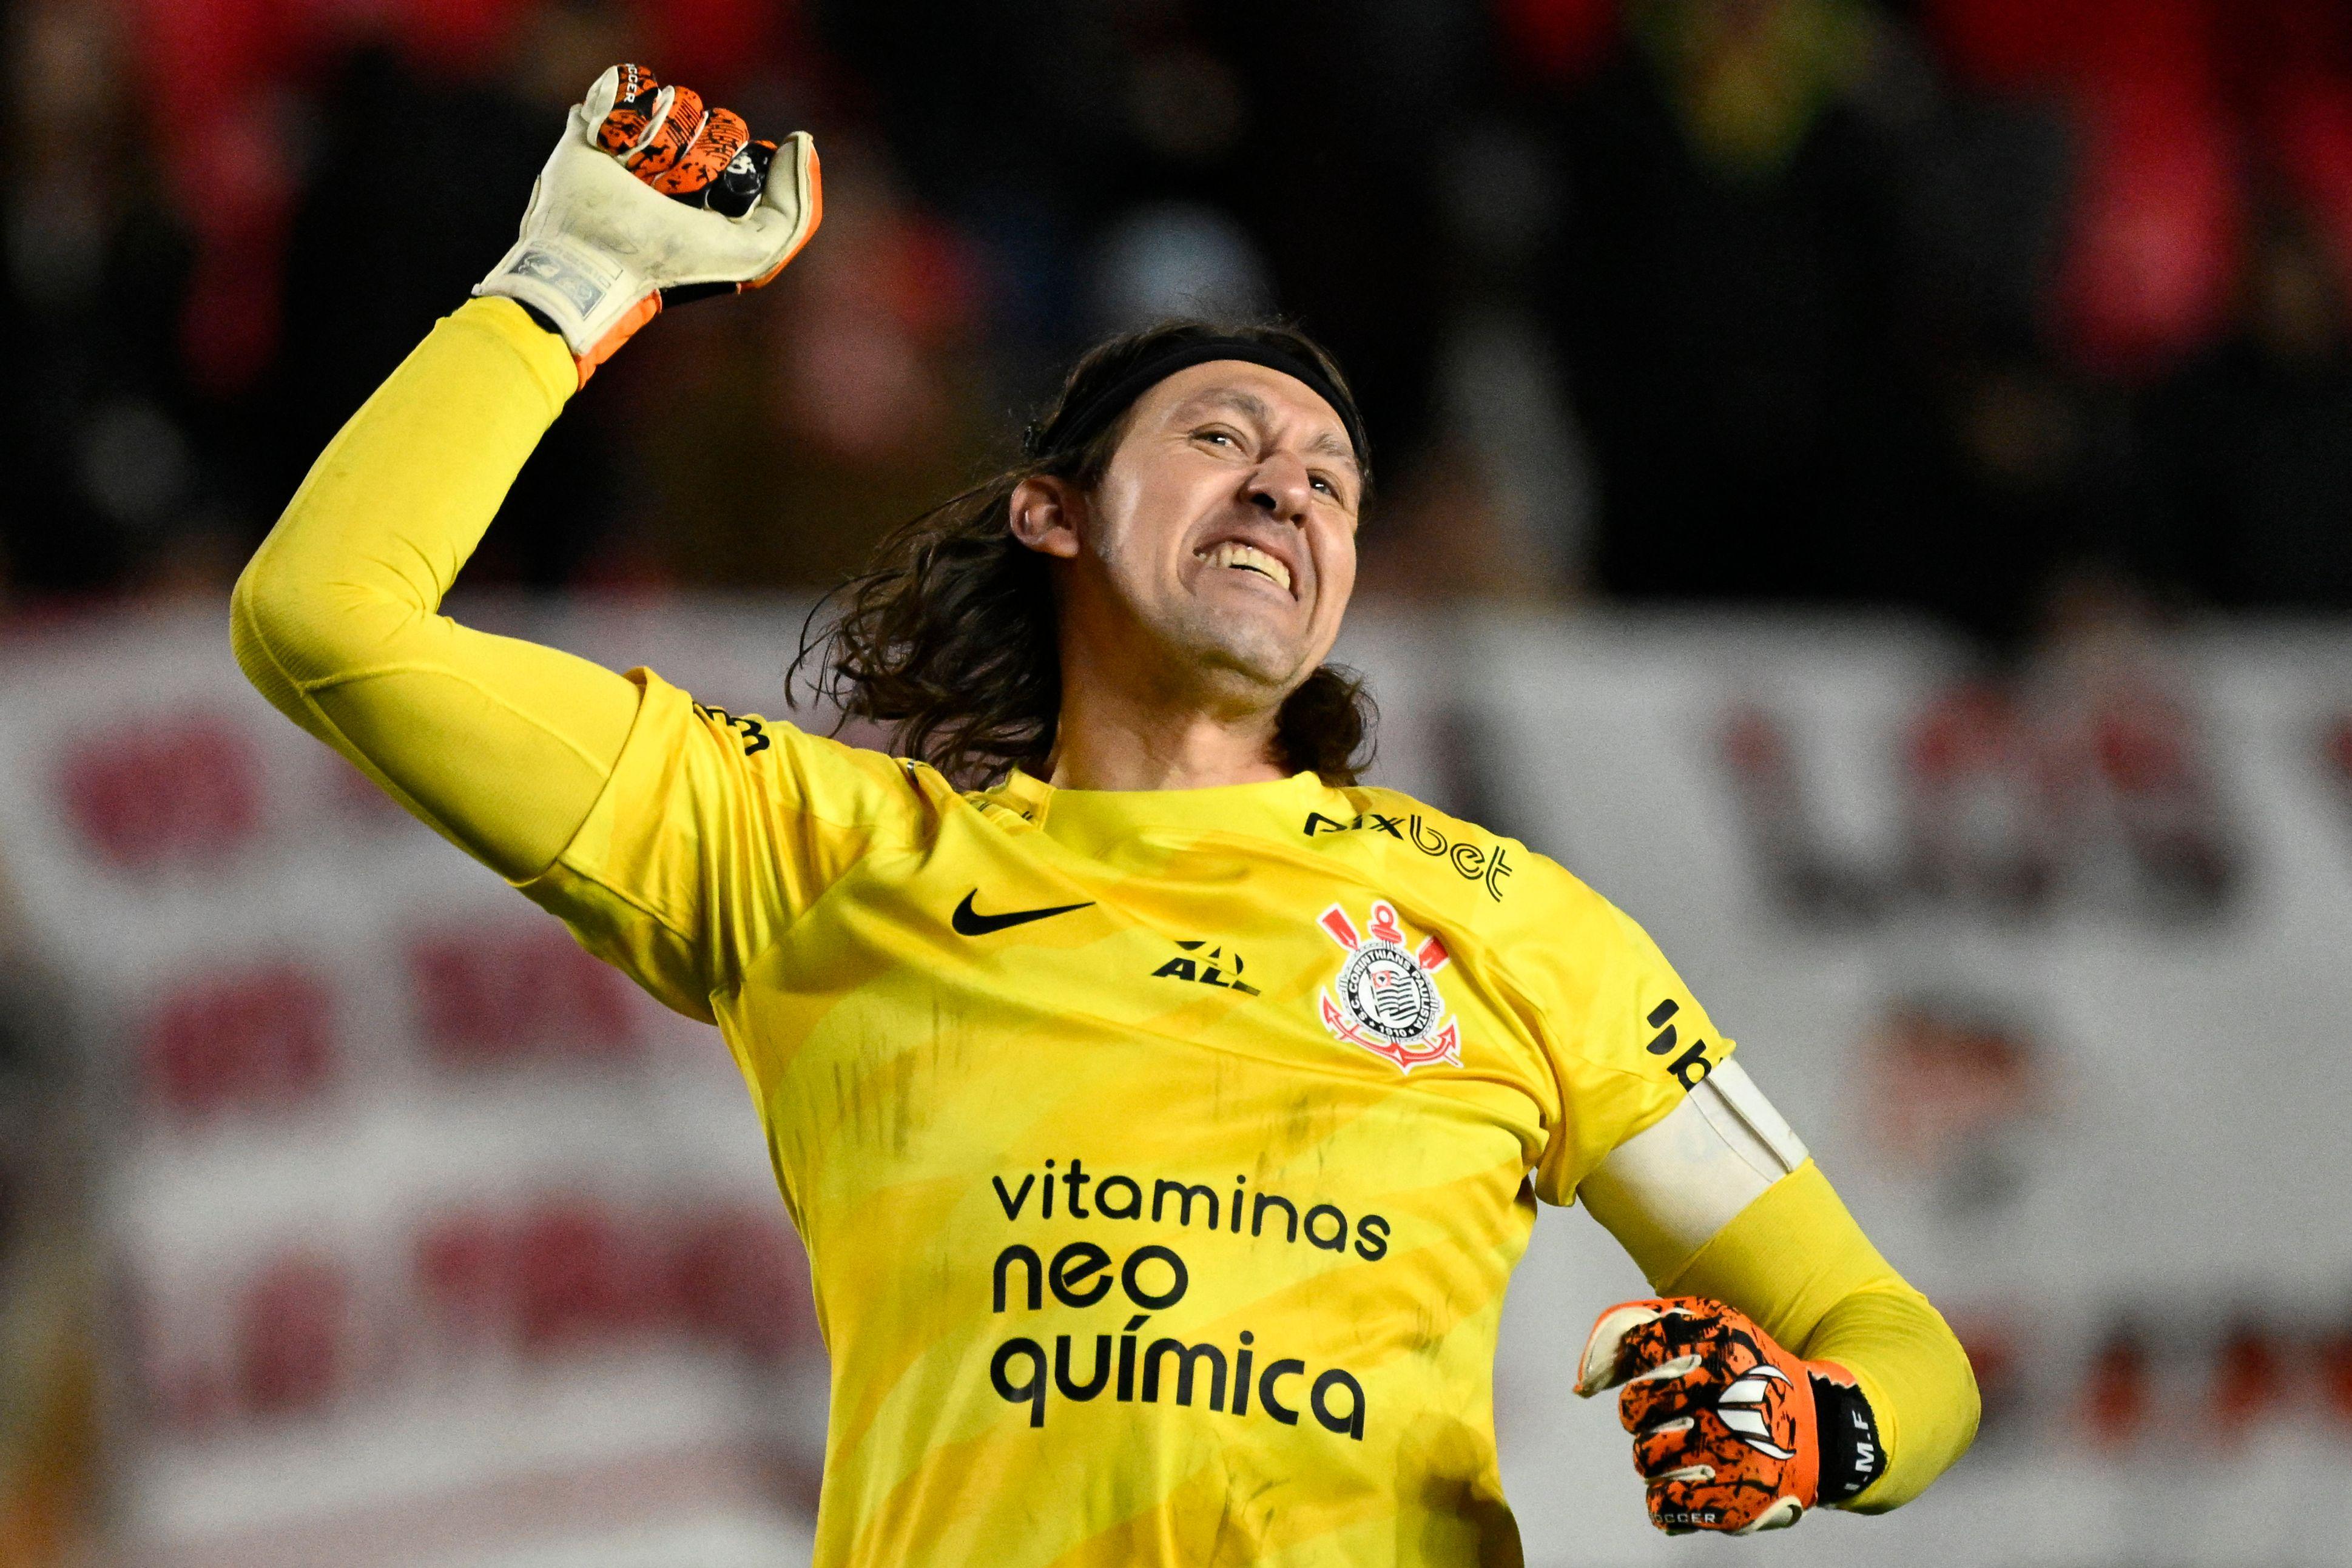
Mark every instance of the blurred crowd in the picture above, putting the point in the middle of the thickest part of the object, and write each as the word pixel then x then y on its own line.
pixel 2030 316
pixel 1947 304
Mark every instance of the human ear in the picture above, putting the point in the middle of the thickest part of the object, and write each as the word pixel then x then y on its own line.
pixel 1042 514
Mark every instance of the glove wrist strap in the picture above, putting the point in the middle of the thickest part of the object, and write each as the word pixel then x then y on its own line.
pixel 542 319
pixel 1851 1455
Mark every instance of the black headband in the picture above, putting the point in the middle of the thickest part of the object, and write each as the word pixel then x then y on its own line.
pixel 1081 422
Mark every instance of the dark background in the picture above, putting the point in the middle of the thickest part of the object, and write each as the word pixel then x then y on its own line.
pixel 1961 305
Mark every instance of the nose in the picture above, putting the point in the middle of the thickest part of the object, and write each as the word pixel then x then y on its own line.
pixel 1280 488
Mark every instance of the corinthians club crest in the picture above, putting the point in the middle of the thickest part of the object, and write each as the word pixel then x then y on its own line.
pixel 1386 998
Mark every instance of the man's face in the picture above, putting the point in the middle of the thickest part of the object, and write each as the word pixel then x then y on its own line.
pixel 1220 545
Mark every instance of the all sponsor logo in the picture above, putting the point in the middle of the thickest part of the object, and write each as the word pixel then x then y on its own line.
pixel 1385 998
pixel 1214 968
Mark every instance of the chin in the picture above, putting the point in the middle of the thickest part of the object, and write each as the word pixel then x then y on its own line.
pixel 1245 648
pixel 1264 662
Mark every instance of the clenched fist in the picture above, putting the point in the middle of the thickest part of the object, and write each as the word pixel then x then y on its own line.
pixel 653 198
pixel 1731 1432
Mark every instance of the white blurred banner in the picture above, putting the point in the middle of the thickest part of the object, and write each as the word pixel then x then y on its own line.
pixel 434 1242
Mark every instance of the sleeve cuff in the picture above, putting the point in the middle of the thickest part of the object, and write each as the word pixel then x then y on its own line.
pixel 543 352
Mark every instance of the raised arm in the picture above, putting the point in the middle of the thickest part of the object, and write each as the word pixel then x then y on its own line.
pixel 503 745
pixel 500 745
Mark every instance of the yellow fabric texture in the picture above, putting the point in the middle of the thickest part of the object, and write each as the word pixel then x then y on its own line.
pixel 1796 1262
pixel 500 745
pixel 1122 1139
pixel 1161 1156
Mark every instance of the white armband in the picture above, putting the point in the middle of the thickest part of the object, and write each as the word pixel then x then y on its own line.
pixel 1667 1190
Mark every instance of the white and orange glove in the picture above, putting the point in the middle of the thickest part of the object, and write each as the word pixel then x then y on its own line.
pixel 1731 1432
pixel 651 198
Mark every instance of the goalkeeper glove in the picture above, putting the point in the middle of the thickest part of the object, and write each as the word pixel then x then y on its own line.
pixel 1730 1431
pixel 651 199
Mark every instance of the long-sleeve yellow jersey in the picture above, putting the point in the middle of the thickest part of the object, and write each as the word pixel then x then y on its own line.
pixel 1161 1156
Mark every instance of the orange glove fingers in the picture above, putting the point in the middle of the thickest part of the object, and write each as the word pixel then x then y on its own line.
pixel 637 104
pixel 1746 1382
pixel 1663 1450
pixel 1722 1418
pixel 720 137
pixel 668 137
pixel 676 124
pixel 1682 1361
pixel 1710 1502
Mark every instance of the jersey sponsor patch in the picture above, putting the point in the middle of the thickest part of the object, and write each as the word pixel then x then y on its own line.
pixel 1693 1064
pixel 1385 998
pixel 1216 968
pixel 1487 865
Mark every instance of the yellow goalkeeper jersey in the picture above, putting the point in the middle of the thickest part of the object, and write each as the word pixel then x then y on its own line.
pixel 1161 1156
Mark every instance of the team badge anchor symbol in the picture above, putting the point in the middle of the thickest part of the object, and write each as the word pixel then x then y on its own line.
pixel 1386 999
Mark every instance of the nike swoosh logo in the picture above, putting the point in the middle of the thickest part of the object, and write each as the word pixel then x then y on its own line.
pixel 969 922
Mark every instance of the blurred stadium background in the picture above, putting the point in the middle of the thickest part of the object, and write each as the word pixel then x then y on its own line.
pixel 1868 484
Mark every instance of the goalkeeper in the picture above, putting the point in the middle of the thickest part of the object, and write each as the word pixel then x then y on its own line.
pixel 1164 1110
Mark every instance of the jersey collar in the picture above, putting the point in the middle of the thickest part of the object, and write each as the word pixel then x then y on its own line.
pixel 1094 820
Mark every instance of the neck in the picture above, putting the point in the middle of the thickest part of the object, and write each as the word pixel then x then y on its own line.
pixel 1111 740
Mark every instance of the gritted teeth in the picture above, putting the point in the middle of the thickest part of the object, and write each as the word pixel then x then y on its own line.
pixel 1248 558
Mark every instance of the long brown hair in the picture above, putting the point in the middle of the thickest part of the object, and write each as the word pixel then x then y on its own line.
pixel 947 637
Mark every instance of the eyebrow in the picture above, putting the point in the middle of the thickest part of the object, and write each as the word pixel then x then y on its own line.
pixel 1255 407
